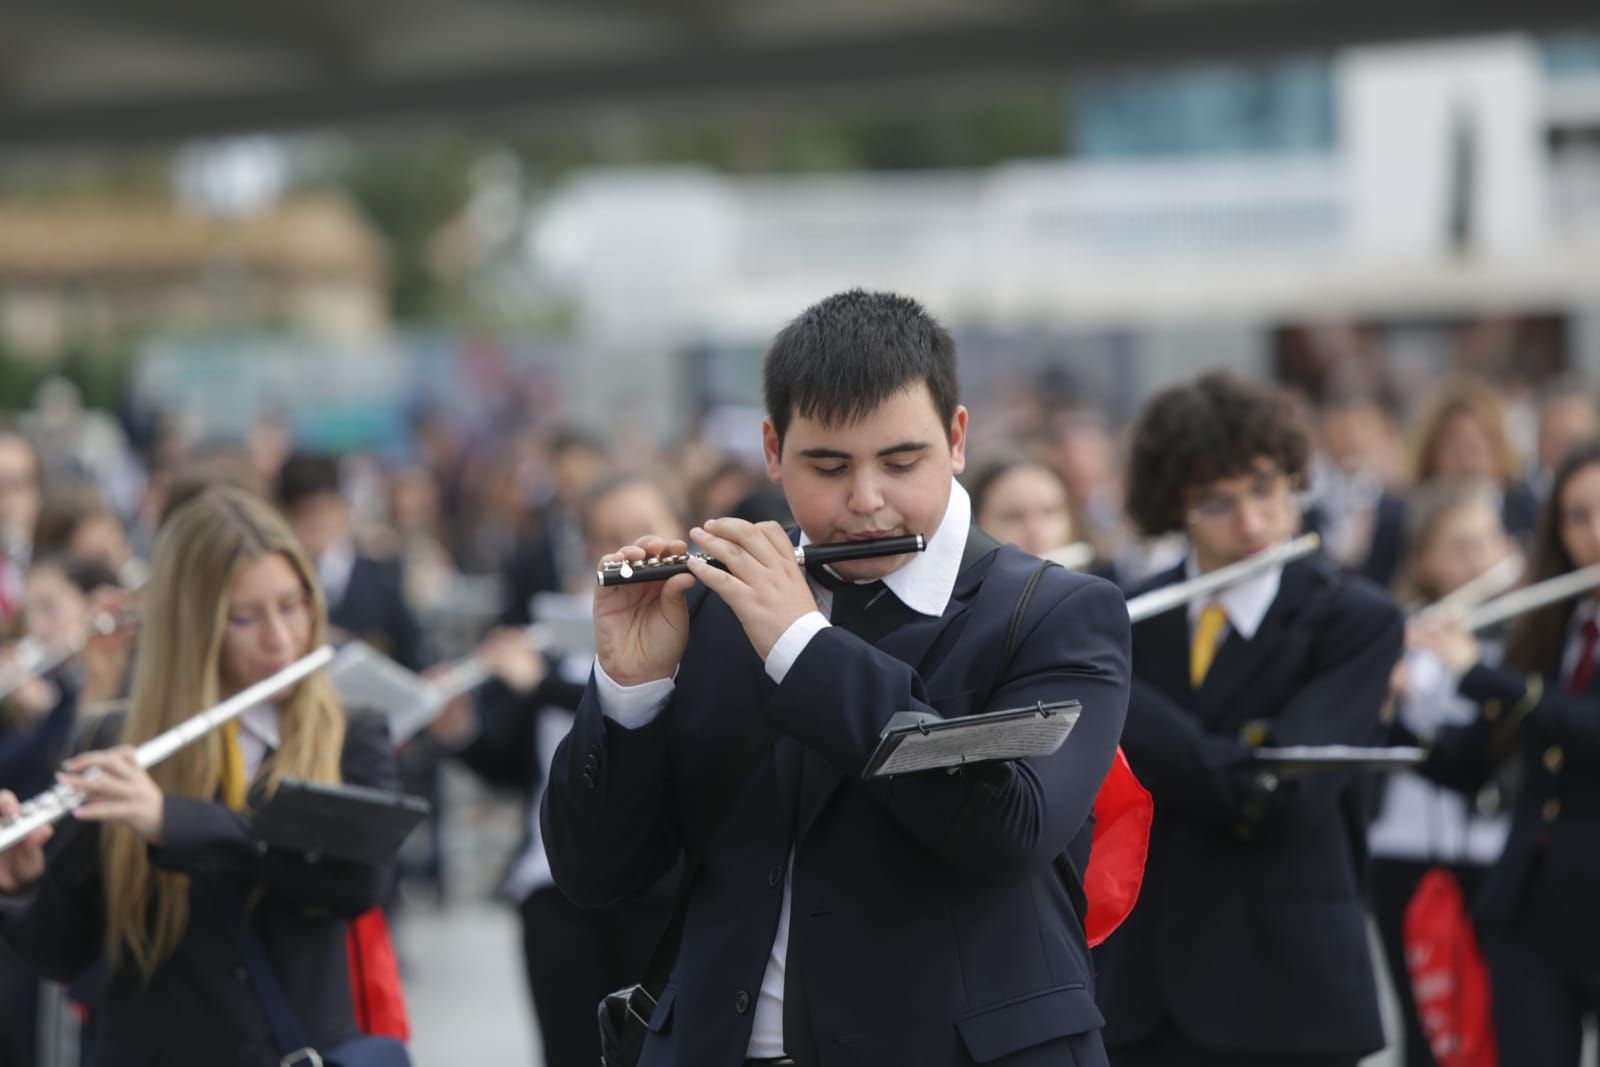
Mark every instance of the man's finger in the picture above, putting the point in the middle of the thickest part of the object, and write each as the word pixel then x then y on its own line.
pixel 778 538
pixel 728 553
pixel 755 540
pixel 720 582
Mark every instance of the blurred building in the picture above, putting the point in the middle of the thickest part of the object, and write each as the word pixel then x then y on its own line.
pixel 1204 211
pixel 78 274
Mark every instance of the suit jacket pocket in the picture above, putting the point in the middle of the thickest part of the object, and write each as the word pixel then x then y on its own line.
pixel 1002 1029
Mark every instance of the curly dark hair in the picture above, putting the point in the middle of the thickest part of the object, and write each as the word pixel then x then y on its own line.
pixel 1191 435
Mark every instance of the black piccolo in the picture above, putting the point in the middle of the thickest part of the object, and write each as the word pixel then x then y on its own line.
pixel 660 568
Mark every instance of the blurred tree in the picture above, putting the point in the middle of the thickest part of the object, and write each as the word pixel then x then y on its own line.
pixel 409 191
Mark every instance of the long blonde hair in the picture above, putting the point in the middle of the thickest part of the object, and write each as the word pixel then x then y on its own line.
pixel 199 551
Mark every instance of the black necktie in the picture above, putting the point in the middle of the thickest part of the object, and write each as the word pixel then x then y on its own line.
pixel 867 609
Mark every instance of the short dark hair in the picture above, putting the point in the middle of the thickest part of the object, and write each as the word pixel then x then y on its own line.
pixel 575 439
pixel 86 575
pixel 1193 434
pixel 841 358
pixel 305 475
pixel 63 514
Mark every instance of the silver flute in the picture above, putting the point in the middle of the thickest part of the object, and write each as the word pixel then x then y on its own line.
pixel 53 804
pixel 1480 590
pixel 33 658
pixel 1180 593
pixel 1533 597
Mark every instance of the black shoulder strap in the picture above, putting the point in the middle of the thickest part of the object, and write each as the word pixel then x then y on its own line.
pixel 979 544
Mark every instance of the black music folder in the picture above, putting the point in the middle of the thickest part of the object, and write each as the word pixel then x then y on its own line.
pixel 344 822
pixel 1304 759
pixel 914 741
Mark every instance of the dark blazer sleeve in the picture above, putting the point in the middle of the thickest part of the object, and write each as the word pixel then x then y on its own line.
pixel 609 817
pixel 1017 816
pixel 58 926
pixel 1182 764
pixel 400 620
pixel 28 755
pixel 504 752
pixel 1358 639
pixel 1572 720
pixel 202 836
pixel 1360 642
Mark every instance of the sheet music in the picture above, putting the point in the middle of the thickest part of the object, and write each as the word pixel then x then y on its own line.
pixel 921 743
pixel 364 677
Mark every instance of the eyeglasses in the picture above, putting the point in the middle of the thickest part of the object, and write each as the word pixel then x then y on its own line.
pixel 291 610
pixel 1216 506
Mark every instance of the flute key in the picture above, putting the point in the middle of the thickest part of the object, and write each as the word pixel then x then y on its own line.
pixel 660 568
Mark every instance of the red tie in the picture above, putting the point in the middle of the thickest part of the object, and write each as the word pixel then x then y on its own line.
pixel 1585 668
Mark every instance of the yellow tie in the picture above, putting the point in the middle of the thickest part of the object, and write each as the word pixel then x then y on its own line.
pixel 1203 646
pixel 234 783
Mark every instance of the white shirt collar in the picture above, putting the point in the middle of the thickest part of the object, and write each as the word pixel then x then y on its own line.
pixel 334 569
pixel 1246 603
pixel 925 583
pixel 258 736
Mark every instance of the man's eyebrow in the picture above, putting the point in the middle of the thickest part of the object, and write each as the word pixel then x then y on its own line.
pixel 903 446
pixel 834 453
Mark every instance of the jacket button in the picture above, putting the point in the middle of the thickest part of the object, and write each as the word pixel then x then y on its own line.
pixel 588 779
pixel 1554 759
pixel 1551 810
pixel 775 875
pixel 240 974
pixel 741 1003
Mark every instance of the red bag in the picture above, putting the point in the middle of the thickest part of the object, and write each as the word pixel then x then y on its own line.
pixel 1448 977
pixel 380 999
pixel 1123 811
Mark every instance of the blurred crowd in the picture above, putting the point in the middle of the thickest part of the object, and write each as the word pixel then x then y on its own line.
pixel 424 551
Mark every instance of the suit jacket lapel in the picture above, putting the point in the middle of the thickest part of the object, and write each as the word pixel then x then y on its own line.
pixel 1166 645
pixel 910 643
pixel 1239 661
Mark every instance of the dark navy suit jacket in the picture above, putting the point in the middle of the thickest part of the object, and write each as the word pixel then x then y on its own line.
pixel 198 1010
pixel 373 609
pixel 1249 934
pixel 1555 829
pixel 918 943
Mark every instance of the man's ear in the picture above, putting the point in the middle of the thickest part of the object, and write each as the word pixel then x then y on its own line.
pixel 958 440
pixel 772 448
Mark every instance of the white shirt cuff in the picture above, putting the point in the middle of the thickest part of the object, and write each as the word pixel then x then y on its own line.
pixel 787 648
pixel 631 706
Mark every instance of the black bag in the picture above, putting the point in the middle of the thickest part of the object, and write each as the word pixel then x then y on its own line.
pixel 624 1021
pixel 624 1016
pixel 362 1050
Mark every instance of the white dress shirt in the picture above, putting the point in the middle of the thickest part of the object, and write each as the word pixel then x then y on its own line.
pixel 258 737
pixel 334 570
pixel 924 584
